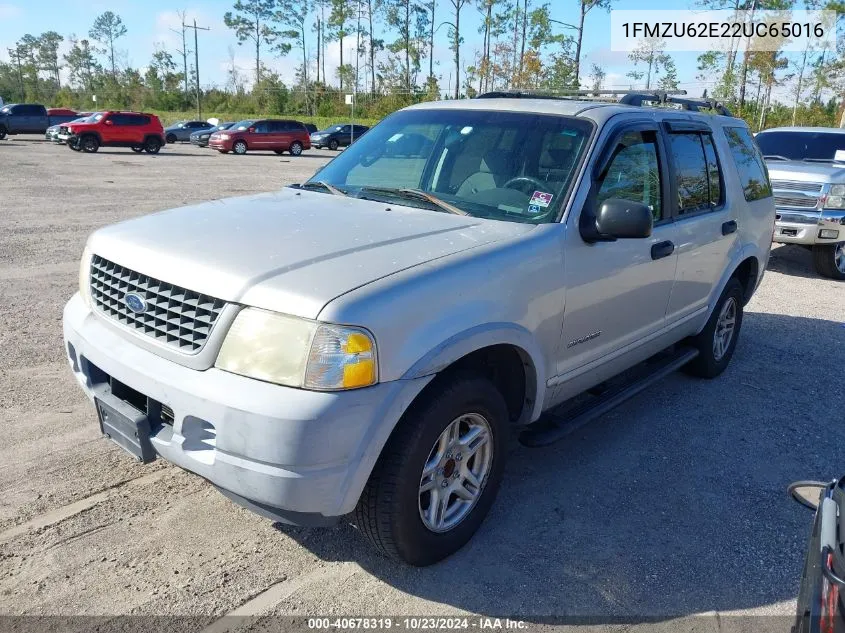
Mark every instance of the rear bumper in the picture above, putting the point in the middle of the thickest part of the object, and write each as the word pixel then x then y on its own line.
pixel 298 456
pixel 805 227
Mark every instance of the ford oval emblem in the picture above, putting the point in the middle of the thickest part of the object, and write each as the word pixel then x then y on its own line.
pixel 136 303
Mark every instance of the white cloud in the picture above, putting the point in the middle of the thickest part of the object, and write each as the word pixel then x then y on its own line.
pixel 10 11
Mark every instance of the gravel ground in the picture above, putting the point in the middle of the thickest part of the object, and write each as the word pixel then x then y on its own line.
pixel 670 506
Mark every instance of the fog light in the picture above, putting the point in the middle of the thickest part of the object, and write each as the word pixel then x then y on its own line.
pixel 828 234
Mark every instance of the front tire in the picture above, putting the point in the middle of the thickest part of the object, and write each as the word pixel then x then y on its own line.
pixel 239 148
pixel 171 138
pixel 717 341
pixel 829 260
pixel 296 148
pixel 2 132
pixel 89 144
pixel 438 474
pixel 152 145
pixel 333 145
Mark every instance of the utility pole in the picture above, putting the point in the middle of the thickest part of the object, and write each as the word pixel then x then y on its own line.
pixel 196 59
pixel 184 51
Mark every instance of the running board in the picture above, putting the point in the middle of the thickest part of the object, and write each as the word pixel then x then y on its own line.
pixel 552 428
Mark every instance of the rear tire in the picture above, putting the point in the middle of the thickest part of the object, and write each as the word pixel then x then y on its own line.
pixel 89 144
pixel 2 132
pixel 73 143
pixel 278 152
pixel 296 148
pixel 717 341
pixel 395 510
pixel 152 145
pixel 223 151
pixel 137 148
pixel 239 148
pixel 333 145
pixel 829 260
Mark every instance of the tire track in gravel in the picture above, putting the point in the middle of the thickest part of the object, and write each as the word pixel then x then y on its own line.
pixel 72 509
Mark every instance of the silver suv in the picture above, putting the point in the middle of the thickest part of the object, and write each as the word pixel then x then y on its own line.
pixel 807 168
pixel 364 343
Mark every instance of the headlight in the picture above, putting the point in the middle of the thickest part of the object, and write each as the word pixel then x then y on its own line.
pixel 225 137
pixel 298 353
pixel 85 276
pixel 836 198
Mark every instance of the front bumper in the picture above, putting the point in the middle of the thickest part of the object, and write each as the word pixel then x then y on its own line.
pixel 805 227
pixel 220 144
pixel 298 456
pixel 201 142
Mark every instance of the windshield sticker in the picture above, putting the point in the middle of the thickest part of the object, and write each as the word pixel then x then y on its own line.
pixel 534 209
pixel 541 199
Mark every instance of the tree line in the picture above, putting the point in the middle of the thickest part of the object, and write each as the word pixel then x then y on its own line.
pixel 387 56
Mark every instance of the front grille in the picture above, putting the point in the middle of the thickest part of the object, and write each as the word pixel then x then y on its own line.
pixel 792 185
pixel 179 318
pixel 798 202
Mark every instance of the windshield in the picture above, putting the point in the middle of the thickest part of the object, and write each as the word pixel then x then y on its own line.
pixel 334 128
pixel 502 165
pixel 820 146
pixel 243 125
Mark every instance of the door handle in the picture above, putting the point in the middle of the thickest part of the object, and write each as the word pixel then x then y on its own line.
pixel 662 249
pixel 729 227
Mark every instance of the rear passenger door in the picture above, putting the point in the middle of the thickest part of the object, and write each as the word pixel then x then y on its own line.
pixel 706 219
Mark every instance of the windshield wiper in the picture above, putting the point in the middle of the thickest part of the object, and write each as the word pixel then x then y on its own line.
pixel 775 157
pixel 417 194
pixel 323 185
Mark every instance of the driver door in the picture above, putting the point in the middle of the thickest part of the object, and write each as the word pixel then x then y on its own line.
pixel 618 291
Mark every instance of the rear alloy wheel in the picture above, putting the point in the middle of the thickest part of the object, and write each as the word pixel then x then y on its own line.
pixel 333 145
pixel 439 472
pixel 171 138
pixel 152 145
pixel 829 260
pixel 296 148
pixel 717 341
pixel 89 144
pixel 239 148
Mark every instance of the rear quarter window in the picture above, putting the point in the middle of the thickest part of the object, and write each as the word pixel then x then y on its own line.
pixel 752 172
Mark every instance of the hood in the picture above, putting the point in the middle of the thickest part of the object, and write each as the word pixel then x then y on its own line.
pixel 810 172
pixel 290 251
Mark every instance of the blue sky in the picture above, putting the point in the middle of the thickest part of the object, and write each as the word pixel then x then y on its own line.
pixel 149 23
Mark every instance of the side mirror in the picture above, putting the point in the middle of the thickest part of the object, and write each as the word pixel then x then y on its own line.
pixel 109 122
pixel 623 219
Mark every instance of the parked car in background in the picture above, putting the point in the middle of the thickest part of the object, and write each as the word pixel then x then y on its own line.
pixel 262 135
pixel 807 170
pixel 201 137
pixel 139 131
pixel 341 135
pixel 53 131
pixel 29 118
pixel 310 127
pixel 182 130
pixel 368 341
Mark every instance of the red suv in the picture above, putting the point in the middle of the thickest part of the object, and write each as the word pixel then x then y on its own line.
pixel 264 135
pixel 136 130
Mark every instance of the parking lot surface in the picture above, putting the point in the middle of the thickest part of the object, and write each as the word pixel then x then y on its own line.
pixel 672 505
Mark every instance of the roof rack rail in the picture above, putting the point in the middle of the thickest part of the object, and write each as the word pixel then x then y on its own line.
pixel 627 97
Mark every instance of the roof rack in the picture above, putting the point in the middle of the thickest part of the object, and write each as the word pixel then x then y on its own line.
pixel 627 97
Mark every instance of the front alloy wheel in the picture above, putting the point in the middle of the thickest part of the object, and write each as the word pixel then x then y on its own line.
pixel 239 148
pixel 439 472
pixel 454 476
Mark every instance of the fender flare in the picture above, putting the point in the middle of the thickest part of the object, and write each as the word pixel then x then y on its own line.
pixel 487 335
pixel 749 250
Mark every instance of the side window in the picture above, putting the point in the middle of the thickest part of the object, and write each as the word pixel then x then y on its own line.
pixel 691 177
pixel 119 119
pixel 262 128
pixel 750 168
pixel 346 129
pixel 633 172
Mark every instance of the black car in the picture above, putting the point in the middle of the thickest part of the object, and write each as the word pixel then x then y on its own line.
pixel 201 137
pixel 337 136
pixel 820 597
